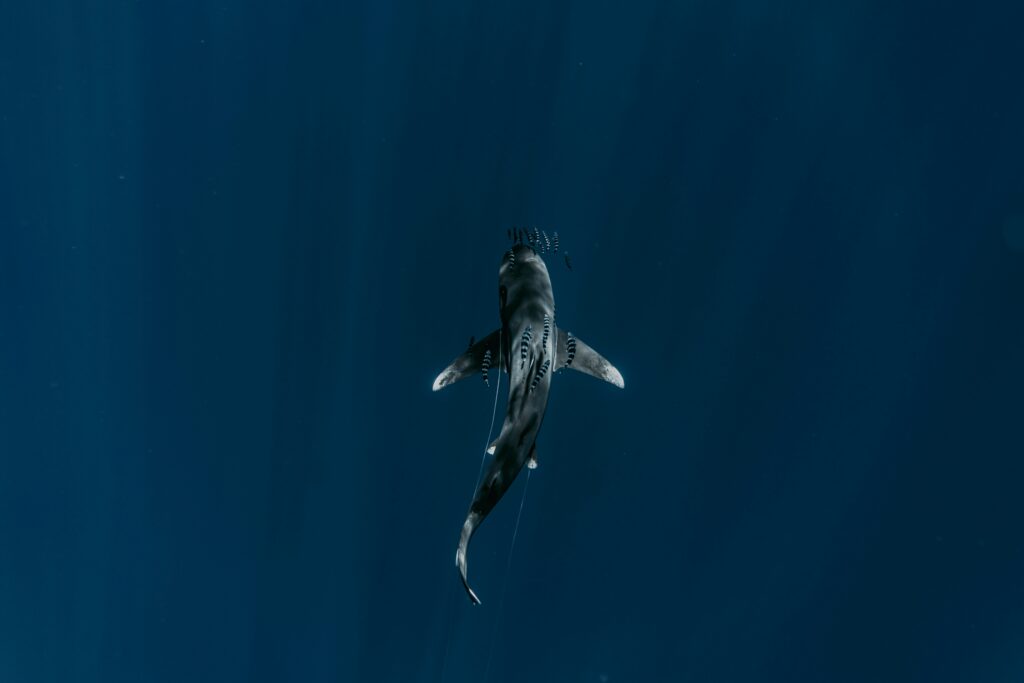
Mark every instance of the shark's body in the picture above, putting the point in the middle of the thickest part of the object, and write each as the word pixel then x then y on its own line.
pixel 530 348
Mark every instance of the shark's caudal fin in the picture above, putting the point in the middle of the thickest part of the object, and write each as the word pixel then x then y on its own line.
pixel 460 555
pixel 479 357
pixel 573 353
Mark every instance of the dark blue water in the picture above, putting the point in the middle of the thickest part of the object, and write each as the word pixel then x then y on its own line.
pixel 238 240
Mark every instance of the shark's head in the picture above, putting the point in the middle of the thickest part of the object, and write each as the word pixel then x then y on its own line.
pixel 523 277
pixel 521 261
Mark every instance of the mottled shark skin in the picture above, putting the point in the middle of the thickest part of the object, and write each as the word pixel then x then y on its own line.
pixel 530 348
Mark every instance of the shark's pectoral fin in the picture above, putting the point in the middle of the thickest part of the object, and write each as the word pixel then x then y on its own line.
pixel 573 353
pixel 481 357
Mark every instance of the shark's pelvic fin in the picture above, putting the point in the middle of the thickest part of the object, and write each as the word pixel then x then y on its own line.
pixel 471 362
pixel 571 352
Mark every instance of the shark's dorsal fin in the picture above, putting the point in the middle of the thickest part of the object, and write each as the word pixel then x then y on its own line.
pixel 471 362
pixel 571 352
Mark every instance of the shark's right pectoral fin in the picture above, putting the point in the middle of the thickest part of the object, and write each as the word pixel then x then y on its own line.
pixel 482 357
pixel 574 354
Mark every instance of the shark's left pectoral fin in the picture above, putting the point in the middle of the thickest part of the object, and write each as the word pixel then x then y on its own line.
pixel 573 353
pixel 482 357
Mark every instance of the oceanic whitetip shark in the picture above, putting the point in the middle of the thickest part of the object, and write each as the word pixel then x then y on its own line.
pixel 531 349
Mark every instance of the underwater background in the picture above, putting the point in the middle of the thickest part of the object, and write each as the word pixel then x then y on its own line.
pixel 238 240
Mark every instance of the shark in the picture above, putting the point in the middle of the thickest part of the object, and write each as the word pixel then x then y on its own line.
pixel 531 349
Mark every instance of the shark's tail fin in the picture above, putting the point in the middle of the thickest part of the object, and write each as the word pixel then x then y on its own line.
pixel 460 555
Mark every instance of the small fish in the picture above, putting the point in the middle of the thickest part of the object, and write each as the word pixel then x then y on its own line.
pixel 570 350
pixel 568 262
pixel 524 347
pixel 547 332
pixel 540 374
pixel 485 367
pixel 472 340
pixel 556 241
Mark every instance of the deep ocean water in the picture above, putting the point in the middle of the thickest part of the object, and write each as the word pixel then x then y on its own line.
pixel 238 240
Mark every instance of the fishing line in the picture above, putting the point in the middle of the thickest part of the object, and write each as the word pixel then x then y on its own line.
pixel 479 474
pixel 504 583
pixel 448 631
pixel 494 413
